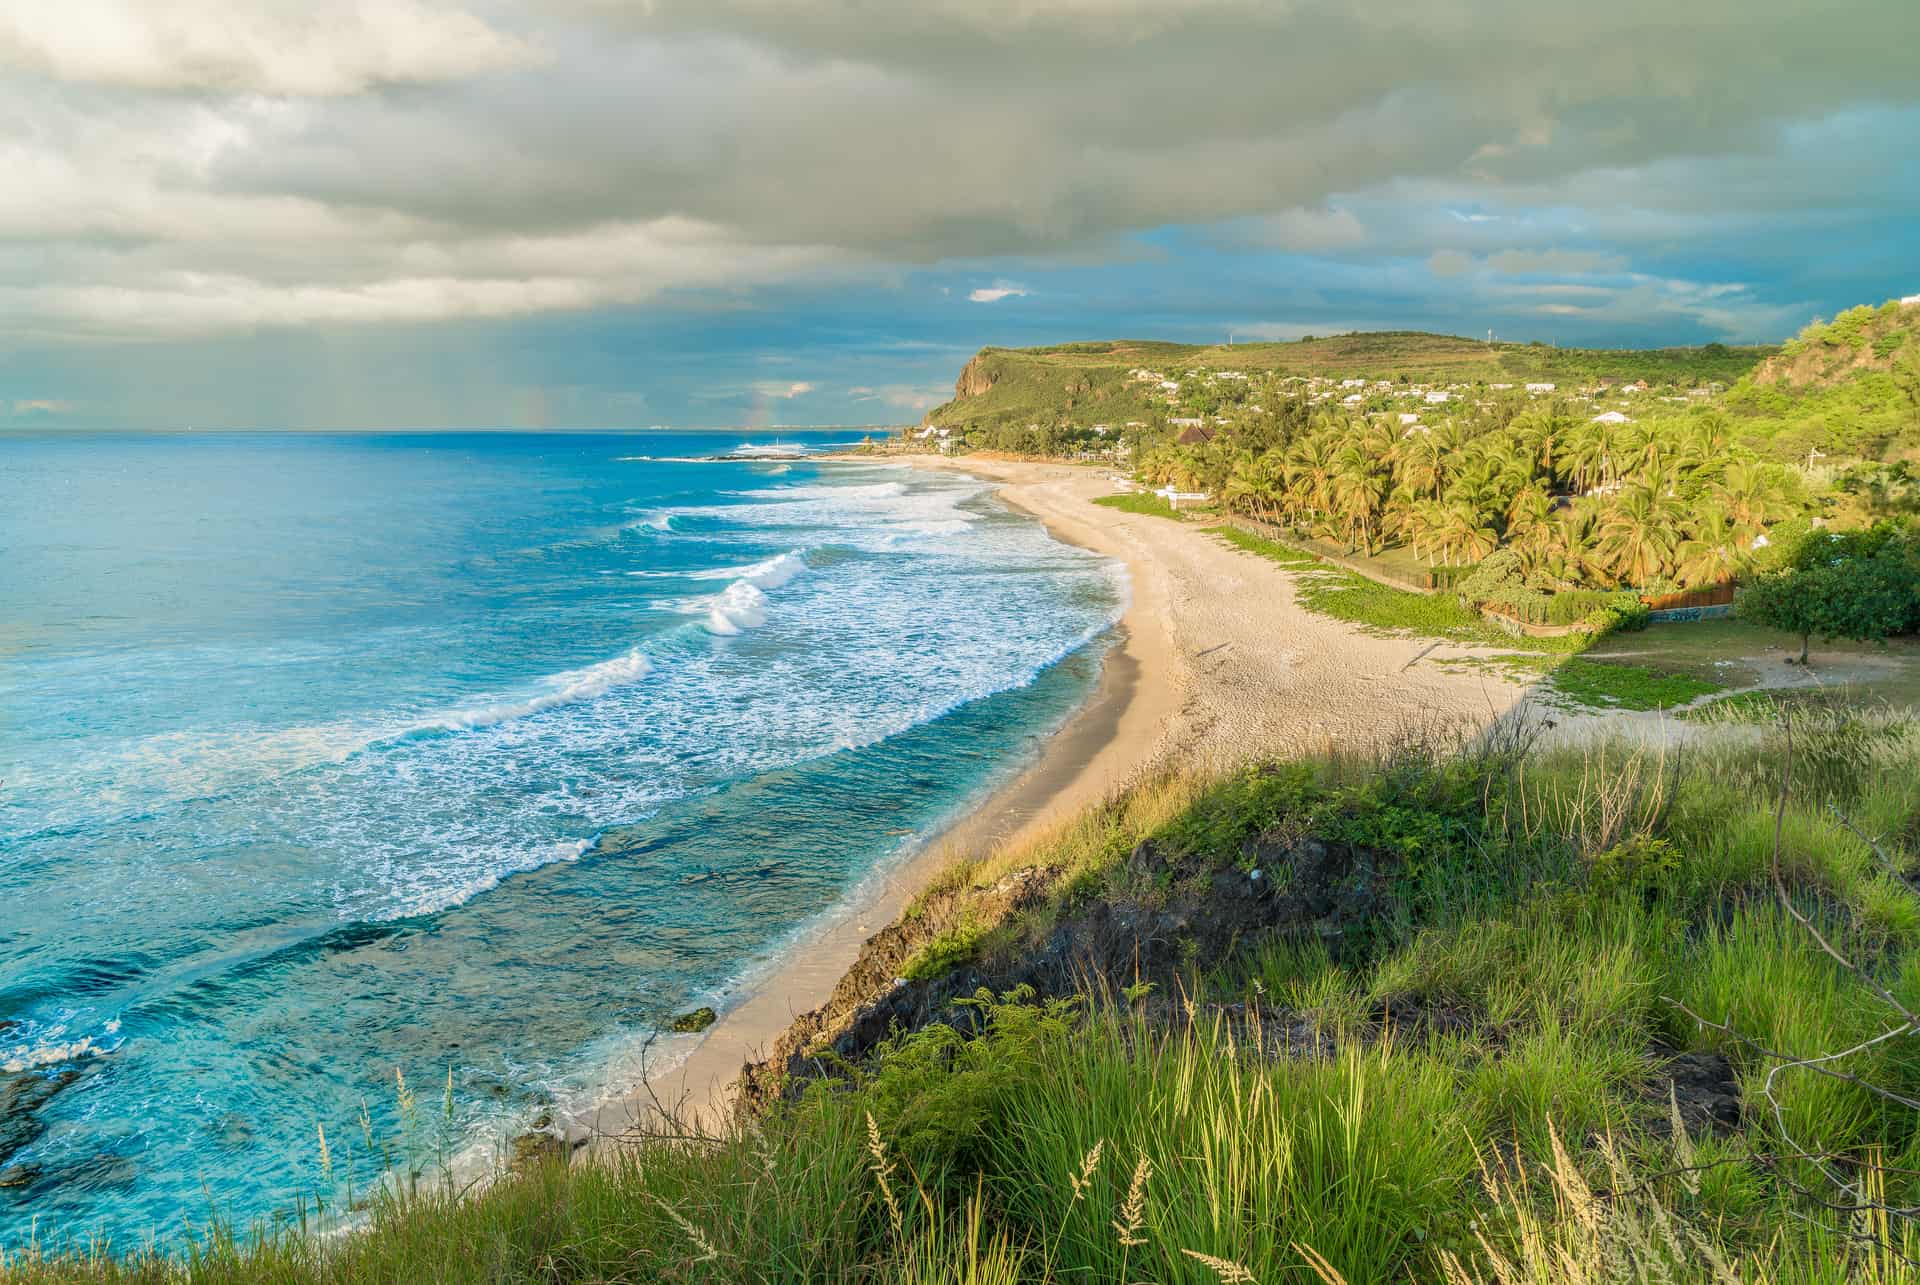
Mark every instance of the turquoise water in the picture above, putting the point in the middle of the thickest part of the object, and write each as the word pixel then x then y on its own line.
pixel 470 758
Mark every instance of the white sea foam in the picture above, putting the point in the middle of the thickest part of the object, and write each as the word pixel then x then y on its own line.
pixel 769 573
pixel 841 494
pixel 742 605
pixel 49 1052
pixel 430 900
pixel 561 689
pixel 737 608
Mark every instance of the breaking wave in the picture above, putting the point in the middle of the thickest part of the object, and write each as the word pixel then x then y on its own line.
pixel 561 689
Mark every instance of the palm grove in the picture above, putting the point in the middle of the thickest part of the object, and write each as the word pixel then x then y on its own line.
pixel 1577 504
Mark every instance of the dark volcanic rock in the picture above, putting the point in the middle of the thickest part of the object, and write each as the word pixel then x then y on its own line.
pixel 1173 913
pixel 1706 1088
pixel 696 1021
pixel 22 1096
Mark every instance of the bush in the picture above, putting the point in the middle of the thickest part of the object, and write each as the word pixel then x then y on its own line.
pixel 1572 606
pixel 1627 614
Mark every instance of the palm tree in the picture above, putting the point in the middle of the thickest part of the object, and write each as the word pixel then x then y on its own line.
pixel 1310 470
pixel 1751 496
pixel 1461 533
pixel 1530 509
pixel 1416 460
pixel 1706 555
pixel 1356 489
pixel 1637 535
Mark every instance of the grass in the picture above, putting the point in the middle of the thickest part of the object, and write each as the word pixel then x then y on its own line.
pixel 1572 682
pixel 1344 595
pixel 1140 502
pixel 1595 685
pixel 1471 1091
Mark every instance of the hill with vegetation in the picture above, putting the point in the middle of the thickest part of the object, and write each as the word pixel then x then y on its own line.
pixel 1005 389
pixel 1547 477
pixel 1848 387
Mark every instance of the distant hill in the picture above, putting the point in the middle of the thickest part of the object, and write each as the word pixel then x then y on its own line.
pixel 1860 341
pixel 1847 386
pixel 1004 387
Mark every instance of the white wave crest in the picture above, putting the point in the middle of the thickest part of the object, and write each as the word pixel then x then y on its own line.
pixel 431 900
pixel 742 605
pixel 870 491
pixel 561 689
pixel 50 1052
pixel 737 608
pixel 769 573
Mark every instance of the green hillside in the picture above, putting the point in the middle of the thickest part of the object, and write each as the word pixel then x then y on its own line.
pixel 1849 386
pixel 1010 388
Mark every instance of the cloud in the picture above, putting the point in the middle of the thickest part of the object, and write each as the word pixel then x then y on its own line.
pixel 995 293
pixel 1297 229
pixel 43 406
pixel 903 396
pixel 195 166
pixel 785 392
pixel 1563 262
pixel 251 46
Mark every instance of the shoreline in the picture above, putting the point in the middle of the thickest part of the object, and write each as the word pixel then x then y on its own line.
pixel 1215 662
pixel 1121 730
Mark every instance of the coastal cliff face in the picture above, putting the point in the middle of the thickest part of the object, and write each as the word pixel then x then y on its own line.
pixel 976 377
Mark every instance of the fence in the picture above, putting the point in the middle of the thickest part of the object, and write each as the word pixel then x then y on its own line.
pixel 1713 595
pixel 1528 628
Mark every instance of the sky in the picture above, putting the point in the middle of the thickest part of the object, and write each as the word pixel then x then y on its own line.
pixel 626 213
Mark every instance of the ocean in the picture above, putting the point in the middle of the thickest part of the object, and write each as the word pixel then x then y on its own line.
pixel 335 763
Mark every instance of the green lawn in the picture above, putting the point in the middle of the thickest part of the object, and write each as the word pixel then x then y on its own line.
pixel 1342 594
pixel 1603 686
pixel 1732 653
pixel 1140 502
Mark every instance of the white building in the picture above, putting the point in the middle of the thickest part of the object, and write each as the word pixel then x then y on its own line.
pixel 1611 417
pixel 1173 497
pixel 1541 388
pixel 1438 397
pixel 1408 418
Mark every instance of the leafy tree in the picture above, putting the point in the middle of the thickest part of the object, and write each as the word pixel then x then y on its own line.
pixel 1906 378
pixel 1859 586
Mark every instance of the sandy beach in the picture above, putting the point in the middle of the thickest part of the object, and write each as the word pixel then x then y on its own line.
pixel 1214 662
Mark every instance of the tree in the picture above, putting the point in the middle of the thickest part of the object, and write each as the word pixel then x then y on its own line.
pixel 1859 586
pixel 1906 377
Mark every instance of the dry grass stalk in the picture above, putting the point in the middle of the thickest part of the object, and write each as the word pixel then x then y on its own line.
pixel 708 1251
pixel 1084 1179
pixel 1224 1268
pixel 1228 1271
pixel 883 1175
pixel 1133 1214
